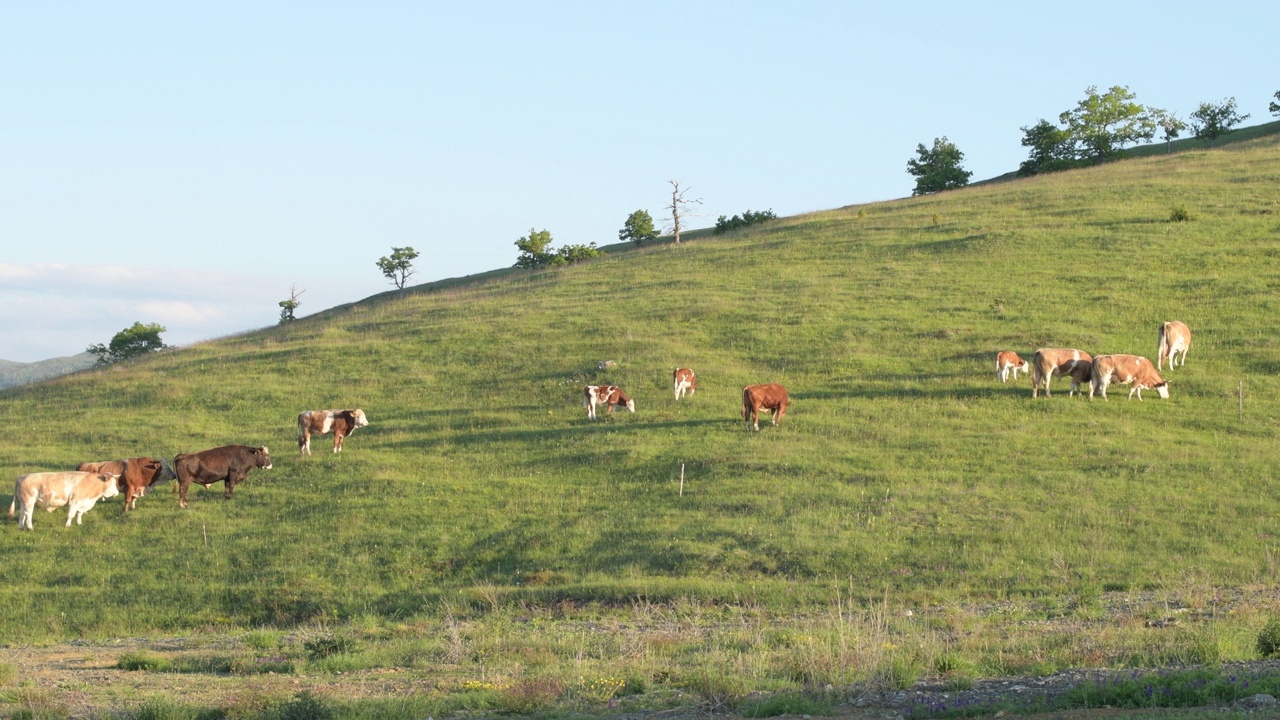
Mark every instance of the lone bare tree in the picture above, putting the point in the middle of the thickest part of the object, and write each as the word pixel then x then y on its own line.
pixel 288 306
pixel 678 207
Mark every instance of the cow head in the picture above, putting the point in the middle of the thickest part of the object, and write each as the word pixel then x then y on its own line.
pixel 631 405
pixel 262 458
pixel 358 419
pixel 112 481
pixel 1163 390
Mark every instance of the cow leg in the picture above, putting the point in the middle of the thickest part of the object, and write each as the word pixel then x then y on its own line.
pixel 182 492
pixel 337 442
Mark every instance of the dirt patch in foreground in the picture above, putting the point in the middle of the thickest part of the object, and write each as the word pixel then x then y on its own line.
pixel 82 679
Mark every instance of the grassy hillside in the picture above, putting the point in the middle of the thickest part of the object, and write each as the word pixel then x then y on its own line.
pixel 902 470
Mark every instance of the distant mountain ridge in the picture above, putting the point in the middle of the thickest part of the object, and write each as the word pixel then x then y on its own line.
pixel 19 373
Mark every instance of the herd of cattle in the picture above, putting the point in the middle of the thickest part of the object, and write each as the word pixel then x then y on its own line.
pixel 230 464
pixel 1173 342
pixel 81 489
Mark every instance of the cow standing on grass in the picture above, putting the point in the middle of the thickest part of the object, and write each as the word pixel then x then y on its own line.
pixel 684 381
pixel 1174 338
pixel 322 422
pixel 79 491
pixel 770 398
pixel 229 463
pixel 608 395
pixel 1076 364
pixel 137 475
pixel 1008 362
pixel 1123 370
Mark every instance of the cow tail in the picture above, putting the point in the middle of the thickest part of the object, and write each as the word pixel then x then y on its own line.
pixel 12 505
pixel 746 411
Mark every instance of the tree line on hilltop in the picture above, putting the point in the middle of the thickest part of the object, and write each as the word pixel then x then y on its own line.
pixel 1095 131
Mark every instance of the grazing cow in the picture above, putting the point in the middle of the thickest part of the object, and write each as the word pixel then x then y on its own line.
pixel 684 380
pixel 79 491
pixel 1008 361
pixel 229 463
pixel 1175 338
pixel 609 395
pixel 1073 363
pixel 137 475
pixel 1126 369
pixel 322 422
pixel 771 398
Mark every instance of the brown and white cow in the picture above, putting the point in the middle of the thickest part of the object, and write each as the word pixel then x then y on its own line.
pixel 1076 364
pixel 1124 370
pixel 137 475
pixel 229 463
pixel 608 395
pixel 322 422
pixel 1007 362
pixel 1175 338
pixel 770 397
pixel 79 491
pixel 684 381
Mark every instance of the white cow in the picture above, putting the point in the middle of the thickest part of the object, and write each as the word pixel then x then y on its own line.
pixel 1008 362
pixel 1175 338
pixel 1126 369
pixel 684 381
pixel 79 491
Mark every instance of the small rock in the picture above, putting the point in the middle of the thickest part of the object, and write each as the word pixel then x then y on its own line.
pixel 1258 701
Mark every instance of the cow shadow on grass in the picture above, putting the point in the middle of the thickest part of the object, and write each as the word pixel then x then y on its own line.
pixel 488 436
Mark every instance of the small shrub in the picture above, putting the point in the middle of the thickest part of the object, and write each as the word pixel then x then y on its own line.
pixel 262 639
pixel 328 646
pixel 305 706
pixel 38 704
pixel 529 695
pixel 142 660
pixel 1269 639
pixel 163 709
pixel 904 673
pixel 786 704
pixel 716 691
pixel 1180 213
pixel 748 218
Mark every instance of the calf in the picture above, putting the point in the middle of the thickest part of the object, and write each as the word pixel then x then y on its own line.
pixel 79 491
pixel 684 380
pixel 1009 362
pixel 771 398
pixel 609 395
pixel 1126 369
pixel 1076 364
pixel 229 463
pixel 1175 338
pixel 137 475
pixel 322 422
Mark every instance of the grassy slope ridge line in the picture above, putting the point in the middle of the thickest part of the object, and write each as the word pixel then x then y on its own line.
pixel 902 467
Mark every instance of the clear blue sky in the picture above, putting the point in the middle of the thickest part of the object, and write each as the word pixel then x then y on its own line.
pixel 186 163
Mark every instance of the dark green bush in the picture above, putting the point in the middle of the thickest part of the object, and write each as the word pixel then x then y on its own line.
pixel 748 218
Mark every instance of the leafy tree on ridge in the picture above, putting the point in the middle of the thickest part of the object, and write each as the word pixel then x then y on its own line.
pixel 638 228
pixel 1103 123
pixel 1211 121
pixel 399 267
pixel 938 168
pixel 135 340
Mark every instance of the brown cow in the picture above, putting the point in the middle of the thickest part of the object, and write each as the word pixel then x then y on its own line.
pixel 1076 364
pixel 79 491
pixel 137 475
pixel 684 380
pixel 610 395
pixel 322 422
pixel 1126 369
pixel 229 463
pixel 771 398
pixel 1008 361
pixel 1174 338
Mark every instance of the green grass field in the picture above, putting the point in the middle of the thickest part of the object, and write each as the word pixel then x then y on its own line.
pixel 903 475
